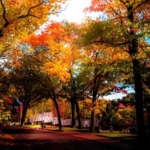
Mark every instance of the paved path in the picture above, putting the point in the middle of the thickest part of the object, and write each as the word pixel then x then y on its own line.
pixel 20 138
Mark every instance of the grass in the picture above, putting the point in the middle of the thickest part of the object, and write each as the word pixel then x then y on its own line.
pixel 118 134
pixel 33 126
pixel 115 134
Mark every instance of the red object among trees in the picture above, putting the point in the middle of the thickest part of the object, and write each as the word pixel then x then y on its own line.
pixel 121 106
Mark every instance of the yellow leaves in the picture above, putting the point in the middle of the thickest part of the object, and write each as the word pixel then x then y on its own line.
pixel 53 51
pixel 1 47
pixel 57 69
pixel 27 13
pixel 120 56
pixel 104 54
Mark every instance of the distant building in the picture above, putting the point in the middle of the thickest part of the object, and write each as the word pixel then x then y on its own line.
pixel 45 116
pixel 17 108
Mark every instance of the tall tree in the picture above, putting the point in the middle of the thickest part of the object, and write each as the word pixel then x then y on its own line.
pixel 126 25
pixel 50 50
pixel 27 87
pixel 19 19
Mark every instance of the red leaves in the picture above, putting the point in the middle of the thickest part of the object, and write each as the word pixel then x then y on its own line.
pixel 53 33
pixel 7 100
pixel 36 40
pixel 57 31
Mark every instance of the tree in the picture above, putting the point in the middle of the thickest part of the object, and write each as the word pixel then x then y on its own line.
pixel 18 20
pixel 125 117
pixel 100 70
pixel 125 27
pixel 27 87
pixel 21 18
pixel 23 14
pixel 49 49
pixel 5 109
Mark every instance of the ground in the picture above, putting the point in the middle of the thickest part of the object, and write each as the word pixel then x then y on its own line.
pixel 23 138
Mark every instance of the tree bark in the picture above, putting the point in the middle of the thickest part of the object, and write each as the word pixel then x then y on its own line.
pixel 133 50
pixel 24 111
pixel 139 103
pixel 73 112
pixel 58 113
pixel 94 94
pixel 78 114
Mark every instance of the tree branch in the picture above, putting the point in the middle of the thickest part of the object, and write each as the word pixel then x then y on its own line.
pixel 109 43
pixel 112 8
pixel 145 1
pixel 4 14
pixel 29 11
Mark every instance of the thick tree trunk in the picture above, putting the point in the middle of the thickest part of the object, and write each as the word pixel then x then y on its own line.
pixel 24 111
pixel 73 112
pixel 75 105
pixel 139 102
pixel 25 108
pixel 78 115
pixel 92 121
pixel 58 113
pixel 133 50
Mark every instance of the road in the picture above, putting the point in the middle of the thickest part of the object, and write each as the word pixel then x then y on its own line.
pixel 18 138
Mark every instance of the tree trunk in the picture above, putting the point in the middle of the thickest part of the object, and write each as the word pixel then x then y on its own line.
pixel 94 94
pixel 139 102
pixel 73 112
pixel 92 126
pixel 75 104
pixel 24 111
pixel 58 113
pixel 92 121
pixel 133 50
pixel 78 114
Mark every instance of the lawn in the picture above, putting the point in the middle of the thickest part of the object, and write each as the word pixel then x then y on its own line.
pixel 118 134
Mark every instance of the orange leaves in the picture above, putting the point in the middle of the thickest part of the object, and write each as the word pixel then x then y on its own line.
pixel 58 32
pixel 54 33
pixel 56 60
pixel 38 40
pixel 57 69
pixel 14 3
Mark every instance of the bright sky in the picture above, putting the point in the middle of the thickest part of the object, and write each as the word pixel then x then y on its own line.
pixel 74 11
